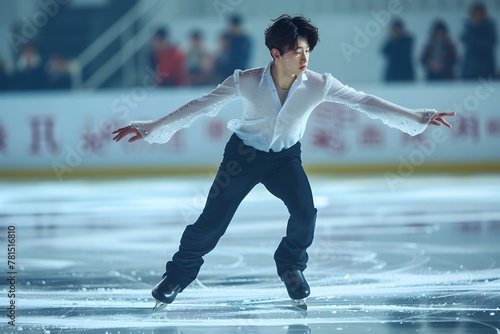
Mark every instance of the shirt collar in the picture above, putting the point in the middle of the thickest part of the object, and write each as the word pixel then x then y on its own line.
pixel 266 75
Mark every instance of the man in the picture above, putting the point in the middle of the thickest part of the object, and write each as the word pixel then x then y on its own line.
pixel 169 60
pixel 239 45
pixel 439 56
pixel 265 149
pixel 398 51
pixel 479 39
pixel 198 60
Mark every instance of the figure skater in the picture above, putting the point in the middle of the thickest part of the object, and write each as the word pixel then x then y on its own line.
pixel 265 148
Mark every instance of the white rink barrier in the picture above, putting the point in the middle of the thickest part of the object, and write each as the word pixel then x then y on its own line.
pixel 68 134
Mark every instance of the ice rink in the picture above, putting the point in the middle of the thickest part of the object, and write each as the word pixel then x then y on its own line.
pixel 419 256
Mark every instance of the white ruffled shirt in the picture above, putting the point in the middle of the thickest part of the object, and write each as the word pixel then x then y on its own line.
pixel 265 123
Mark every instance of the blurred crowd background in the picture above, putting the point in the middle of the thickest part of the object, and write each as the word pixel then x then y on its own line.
pixel 68 44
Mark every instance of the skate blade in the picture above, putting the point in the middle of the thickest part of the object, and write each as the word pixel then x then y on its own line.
pixel 159 306
pixel 300 304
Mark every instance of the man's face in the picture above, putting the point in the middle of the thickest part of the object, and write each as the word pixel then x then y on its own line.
pixel 478 16
pixel 294 62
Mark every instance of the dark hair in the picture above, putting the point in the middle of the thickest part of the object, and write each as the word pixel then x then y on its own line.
pixel 398 24
pixel 284 32
pixel 439 25
pixel 196 34
pixel 162 33
pixel 235 19
pixel 478 7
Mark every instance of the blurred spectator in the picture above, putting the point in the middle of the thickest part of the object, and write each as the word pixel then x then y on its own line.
pixel 440 54
pixel 199 60
pixel 169 61
pixel 29 69
pixel 58 72
pixel 5 79
pixel 239 46
pixel 398 50
pixel 479 38
pixel 221 64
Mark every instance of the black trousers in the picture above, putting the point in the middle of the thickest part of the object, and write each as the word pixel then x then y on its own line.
pixel 241 169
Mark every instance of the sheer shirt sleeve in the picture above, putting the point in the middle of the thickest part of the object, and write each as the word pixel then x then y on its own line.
pixel 161 130
pixel 410 121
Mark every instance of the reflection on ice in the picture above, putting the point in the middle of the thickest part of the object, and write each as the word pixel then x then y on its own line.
pixel 409 261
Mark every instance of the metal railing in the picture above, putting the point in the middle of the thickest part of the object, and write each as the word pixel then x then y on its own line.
pixel 133 30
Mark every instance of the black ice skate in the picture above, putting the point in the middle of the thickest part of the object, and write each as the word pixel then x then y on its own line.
pixel 165 292
pixel 297 288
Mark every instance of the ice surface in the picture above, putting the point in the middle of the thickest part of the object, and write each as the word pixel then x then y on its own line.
pixel 421 258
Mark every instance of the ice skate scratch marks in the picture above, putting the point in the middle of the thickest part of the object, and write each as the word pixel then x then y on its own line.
pixel 378 258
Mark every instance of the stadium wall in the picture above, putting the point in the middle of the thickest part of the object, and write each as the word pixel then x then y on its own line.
pixel 68 134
